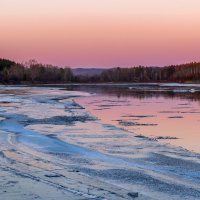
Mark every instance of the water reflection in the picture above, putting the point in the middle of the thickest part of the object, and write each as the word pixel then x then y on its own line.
pixel 164 113
pixel 141 92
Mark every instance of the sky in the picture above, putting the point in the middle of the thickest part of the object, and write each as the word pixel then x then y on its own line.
pixel 100 33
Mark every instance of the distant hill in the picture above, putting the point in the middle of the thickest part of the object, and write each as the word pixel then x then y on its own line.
pixel 87 71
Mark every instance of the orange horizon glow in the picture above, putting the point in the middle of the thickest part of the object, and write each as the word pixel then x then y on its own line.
pixel 106 33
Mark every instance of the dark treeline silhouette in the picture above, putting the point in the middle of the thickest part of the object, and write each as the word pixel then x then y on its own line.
pixel 34 72
pixel 138 74
pixel 186 72
pixel 6 64
pixel 176 73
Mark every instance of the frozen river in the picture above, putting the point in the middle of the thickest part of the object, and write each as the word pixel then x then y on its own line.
pixel 99 142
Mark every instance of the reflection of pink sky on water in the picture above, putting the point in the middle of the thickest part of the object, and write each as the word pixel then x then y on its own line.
pixel 174 117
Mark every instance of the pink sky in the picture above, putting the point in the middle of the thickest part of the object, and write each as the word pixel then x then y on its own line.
pixel 103 33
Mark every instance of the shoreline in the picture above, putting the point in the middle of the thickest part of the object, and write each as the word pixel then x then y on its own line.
pixel 139 165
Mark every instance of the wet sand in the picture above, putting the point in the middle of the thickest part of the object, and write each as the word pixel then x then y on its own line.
pixel 51 147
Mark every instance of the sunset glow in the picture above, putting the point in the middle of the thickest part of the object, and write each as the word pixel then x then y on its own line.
pixel 100 33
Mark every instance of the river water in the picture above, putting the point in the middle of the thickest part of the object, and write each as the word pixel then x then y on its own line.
pixel 169 113
pixel 108 132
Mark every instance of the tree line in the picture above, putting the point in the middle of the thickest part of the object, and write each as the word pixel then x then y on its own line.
pixel 175 73
pixel 34 72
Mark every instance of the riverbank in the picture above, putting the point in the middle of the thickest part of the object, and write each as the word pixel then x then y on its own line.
pixel 51 147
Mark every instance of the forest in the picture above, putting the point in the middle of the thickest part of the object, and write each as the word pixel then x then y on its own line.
pixel 175 73
pixel 35 73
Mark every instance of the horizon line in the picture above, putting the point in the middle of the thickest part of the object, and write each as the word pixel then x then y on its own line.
pixel 97 67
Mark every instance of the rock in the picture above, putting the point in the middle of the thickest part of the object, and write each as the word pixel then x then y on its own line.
pixel 133 194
